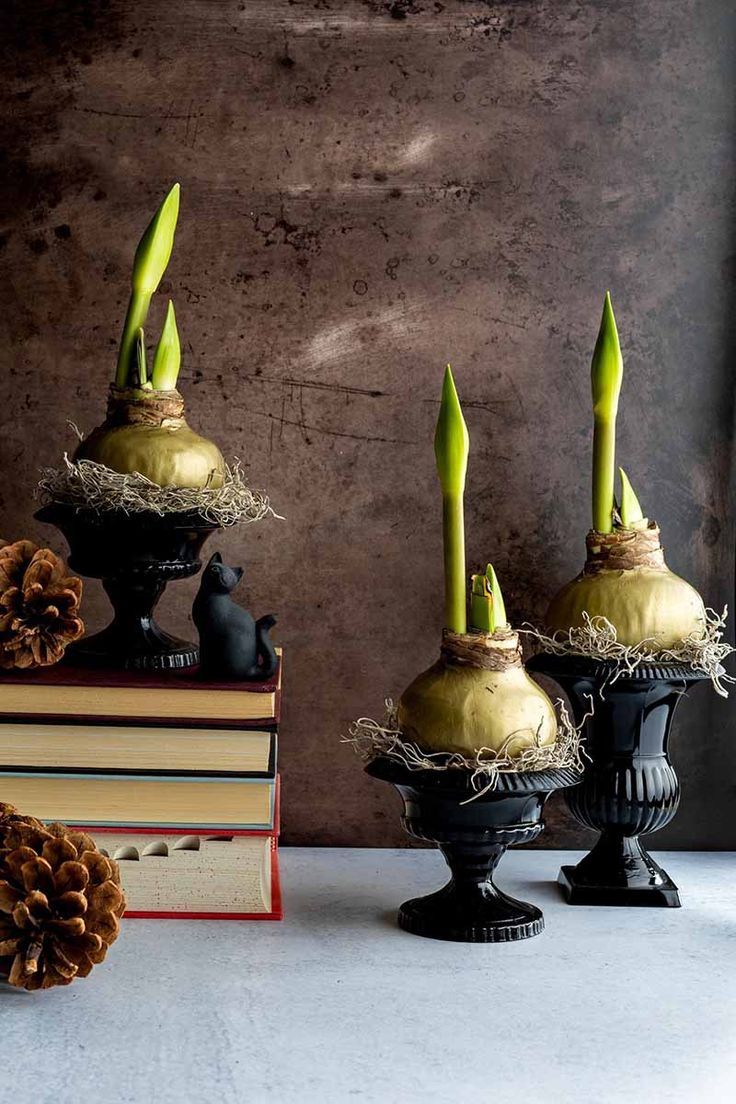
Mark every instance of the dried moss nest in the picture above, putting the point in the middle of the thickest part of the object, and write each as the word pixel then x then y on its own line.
pixel 371 739
pixel 88 485
pixel 596 639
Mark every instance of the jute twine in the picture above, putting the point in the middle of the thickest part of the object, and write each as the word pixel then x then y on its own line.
pixel 623 549
pixel 132 406
pixel 497 651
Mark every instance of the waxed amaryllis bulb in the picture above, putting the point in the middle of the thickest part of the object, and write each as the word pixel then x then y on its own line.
pixel 145 432
pixel 458 707
pixel 626 580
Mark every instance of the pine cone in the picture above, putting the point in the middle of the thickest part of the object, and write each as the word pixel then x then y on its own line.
pixel 39 606
pixel 60 902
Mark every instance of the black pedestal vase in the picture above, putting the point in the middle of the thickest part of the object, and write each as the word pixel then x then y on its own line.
pixel 135 556
pixel 629 786
pixel 472 836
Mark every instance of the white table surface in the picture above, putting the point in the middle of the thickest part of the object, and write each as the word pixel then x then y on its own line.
pixel 336 1004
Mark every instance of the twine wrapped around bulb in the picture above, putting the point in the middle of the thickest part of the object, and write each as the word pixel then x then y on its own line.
pixel 133 406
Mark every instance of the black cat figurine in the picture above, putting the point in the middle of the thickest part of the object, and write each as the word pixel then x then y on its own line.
pixel 231 644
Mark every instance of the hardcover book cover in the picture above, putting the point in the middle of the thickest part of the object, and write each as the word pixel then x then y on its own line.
pixel 27 746
pixel 63 692
pixel 155 801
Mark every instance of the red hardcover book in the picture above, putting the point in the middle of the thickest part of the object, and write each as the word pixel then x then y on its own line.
pixel 62 692
pixel 209 874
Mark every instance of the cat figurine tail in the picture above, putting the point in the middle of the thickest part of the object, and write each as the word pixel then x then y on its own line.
pixel 264 645
pixel 232 646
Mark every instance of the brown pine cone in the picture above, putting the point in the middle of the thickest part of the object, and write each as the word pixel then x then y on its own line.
pixel 60 902
pixel 39 606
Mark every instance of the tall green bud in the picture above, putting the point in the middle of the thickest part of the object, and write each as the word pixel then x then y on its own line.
pixel 151 258
pixel 451 447
pixel 606 375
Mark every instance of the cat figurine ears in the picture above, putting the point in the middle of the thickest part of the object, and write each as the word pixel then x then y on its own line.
pixel 228 577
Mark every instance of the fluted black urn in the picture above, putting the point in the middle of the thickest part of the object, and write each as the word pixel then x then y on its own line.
pixel 473 830
pixel 135 556
pixel 629 787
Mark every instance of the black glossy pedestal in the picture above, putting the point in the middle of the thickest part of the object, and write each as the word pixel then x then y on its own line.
pixel 472 836
pixel 629 786
pixel 135 556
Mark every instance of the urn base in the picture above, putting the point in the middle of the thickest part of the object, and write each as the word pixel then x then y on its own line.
pixel 618 871
pixel 489 917
pixel 142 646
pixel 580 892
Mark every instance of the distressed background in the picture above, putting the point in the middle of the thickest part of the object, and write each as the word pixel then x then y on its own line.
pixel 368 190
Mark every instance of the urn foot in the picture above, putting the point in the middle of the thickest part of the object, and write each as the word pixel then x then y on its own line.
pixel 470 908
pixel 147 648
pixel 618 871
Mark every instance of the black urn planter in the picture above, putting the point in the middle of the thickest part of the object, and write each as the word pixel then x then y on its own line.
pixel 135 556
pixel 472 836
pixel 629 787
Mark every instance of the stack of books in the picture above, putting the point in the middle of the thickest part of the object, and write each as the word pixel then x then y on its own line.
pixel 174 778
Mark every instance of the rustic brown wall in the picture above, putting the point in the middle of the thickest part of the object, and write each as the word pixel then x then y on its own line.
pixel 370 189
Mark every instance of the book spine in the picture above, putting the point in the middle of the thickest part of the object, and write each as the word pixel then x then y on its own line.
pixel 276 898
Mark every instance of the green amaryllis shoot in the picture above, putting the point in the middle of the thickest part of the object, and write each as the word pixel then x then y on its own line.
pixel 499 606
pixel 625 578
pixel 451 446
pixel 630 511
pixel 487 609
pixel 139 375
pixel 151 258
pixel 167 358
pixel 606 375
pixel 477 697
pixel 481 605
pixel 145 430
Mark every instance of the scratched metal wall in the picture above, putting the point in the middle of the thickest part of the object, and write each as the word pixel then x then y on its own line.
pixel 368 190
